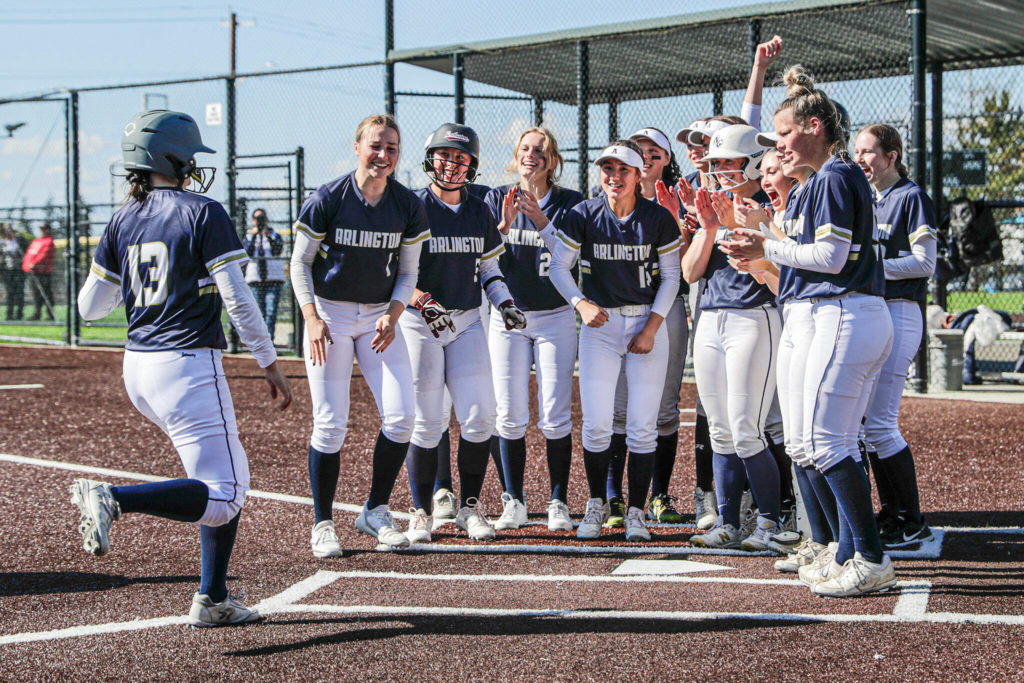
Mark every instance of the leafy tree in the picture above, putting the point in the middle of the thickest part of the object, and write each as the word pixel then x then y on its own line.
pixel 997 128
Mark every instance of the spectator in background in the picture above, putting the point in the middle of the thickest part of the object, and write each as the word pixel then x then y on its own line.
pixel 13 246
pixel 38 262
pixel 265 272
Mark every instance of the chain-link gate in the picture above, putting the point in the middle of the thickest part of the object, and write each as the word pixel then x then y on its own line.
pixel 270 190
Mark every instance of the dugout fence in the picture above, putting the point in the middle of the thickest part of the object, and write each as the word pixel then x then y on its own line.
pixel 953 93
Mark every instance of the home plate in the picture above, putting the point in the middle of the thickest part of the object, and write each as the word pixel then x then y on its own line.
pixel 665 567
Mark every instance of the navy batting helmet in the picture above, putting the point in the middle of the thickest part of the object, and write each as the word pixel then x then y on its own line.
pixel 458 137
pixel 165 142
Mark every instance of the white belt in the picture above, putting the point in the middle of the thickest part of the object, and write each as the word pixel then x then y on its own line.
pixel 632 311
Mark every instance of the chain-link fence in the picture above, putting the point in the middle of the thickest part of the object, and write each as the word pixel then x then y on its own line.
pixel 286 132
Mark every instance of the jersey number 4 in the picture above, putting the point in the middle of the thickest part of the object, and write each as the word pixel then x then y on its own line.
pixel 152 259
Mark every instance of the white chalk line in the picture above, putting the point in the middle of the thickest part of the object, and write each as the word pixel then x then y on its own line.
pixel 930 550
pixel 122 474
pixel 12 387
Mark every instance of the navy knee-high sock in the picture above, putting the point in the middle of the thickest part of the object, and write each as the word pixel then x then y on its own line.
pixel 596 465
pixel 472 468
pixel 215 545
pixel 826 499
pixel 499 467
pixel 641 465
pixel 388 457
pixel 902 476
pixel 443 478
pixel 853 497
pixel 702 454
pixel 785 466
pixel 559 464
pixel 664 462
pixel 730 476
pixel 763 476
pixel 323 480
pixel 183 500
pixel 821 531
pixel 616 466
pixel 421 466
pixel 513 462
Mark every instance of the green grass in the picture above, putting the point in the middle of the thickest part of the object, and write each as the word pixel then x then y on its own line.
pixel 57 331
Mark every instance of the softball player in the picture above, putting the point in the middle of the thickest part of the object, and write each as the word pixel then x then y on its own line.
pixel 354 265
pixel 906 225
pixel 629 257
pixel 167 254
pixel 834 264
pixel 460 258
pixel 734 350
pixel 658 179
pixel 529 214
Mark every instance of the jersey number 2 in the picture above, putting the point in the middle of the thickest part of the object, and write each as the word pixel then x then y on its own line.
pixel 152 258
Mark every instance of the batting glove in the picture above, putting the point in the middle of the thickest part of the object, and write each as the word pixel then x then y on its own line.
pixel 513 318
pixel 434 314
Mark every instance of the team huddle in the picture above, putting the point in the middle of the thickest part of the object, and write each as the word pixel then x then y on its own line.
pixel 804 269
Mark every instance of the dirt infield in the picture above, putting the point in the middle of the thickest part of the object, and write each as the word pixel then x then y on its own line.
pixel 533 605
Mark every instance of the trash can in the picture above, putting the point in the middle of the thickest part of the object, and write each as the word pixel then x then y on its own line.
pixel 945 360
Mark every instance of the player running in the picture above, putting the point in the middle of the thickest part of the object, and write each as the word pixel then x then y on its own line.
pixel 529 215
pixel 354 265
pixel 906 225
pixel 834 264
pixel 628 249
pixel 445 334
pixel 173 256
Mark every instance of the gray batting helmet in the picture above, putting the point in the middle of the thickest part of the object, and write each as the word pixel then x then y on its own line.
pixel 456 136
pixel 163 142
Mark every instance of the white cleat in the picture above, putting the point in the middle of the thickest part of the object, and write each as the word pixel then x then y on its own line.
pixel 471 519
pixel 98 511
pixel 706 506
pixel 636 528
pixel 379 523
pixel 724 536
pixel 324 540
pixel 858 577
pixel 419 526
pixel 444 508
pixel 231 612
pixel 801 556
pixel 761 538
pixel 596 515
pixel 558 516
pixel 513 515
pixel 823 568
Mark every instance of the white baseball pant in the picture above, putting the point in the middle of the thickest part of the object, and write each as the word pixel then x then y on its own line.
pixel 388 374
pixel 185 393
pixel 734 363
pixel 881 426
pixel 548 344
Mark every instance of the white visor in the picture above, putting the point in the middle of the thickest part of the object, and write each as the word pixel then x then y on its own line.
pixel 683 135
pixel 623 154
pixel 655 136
pixel 768 140
pixel 703 135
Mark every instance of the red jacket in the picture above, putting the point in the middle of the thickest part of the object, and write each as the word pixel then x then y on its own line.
pixel 39 256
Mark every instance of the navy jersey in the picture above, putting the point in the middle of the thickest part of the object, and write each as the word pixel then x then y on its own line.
pixel 477 190
pixel 448 261
pixel 904 214
pixel 619 259
pixel 694 180
pixel 836 200
pixel 358 256
pixel 162 253
pixel 684 286
pixel 726 287
pixel 526 260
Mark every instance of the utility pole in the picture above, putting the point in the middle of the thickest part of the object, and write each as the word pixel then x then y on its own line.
pixel 233 341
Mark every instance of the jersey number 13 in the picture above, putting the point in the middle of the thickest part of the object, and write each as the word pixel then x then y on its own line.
pixel 152 259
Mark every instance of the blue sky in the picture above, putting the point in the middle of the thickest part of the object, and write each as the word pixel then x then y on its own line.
pixel 59 43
